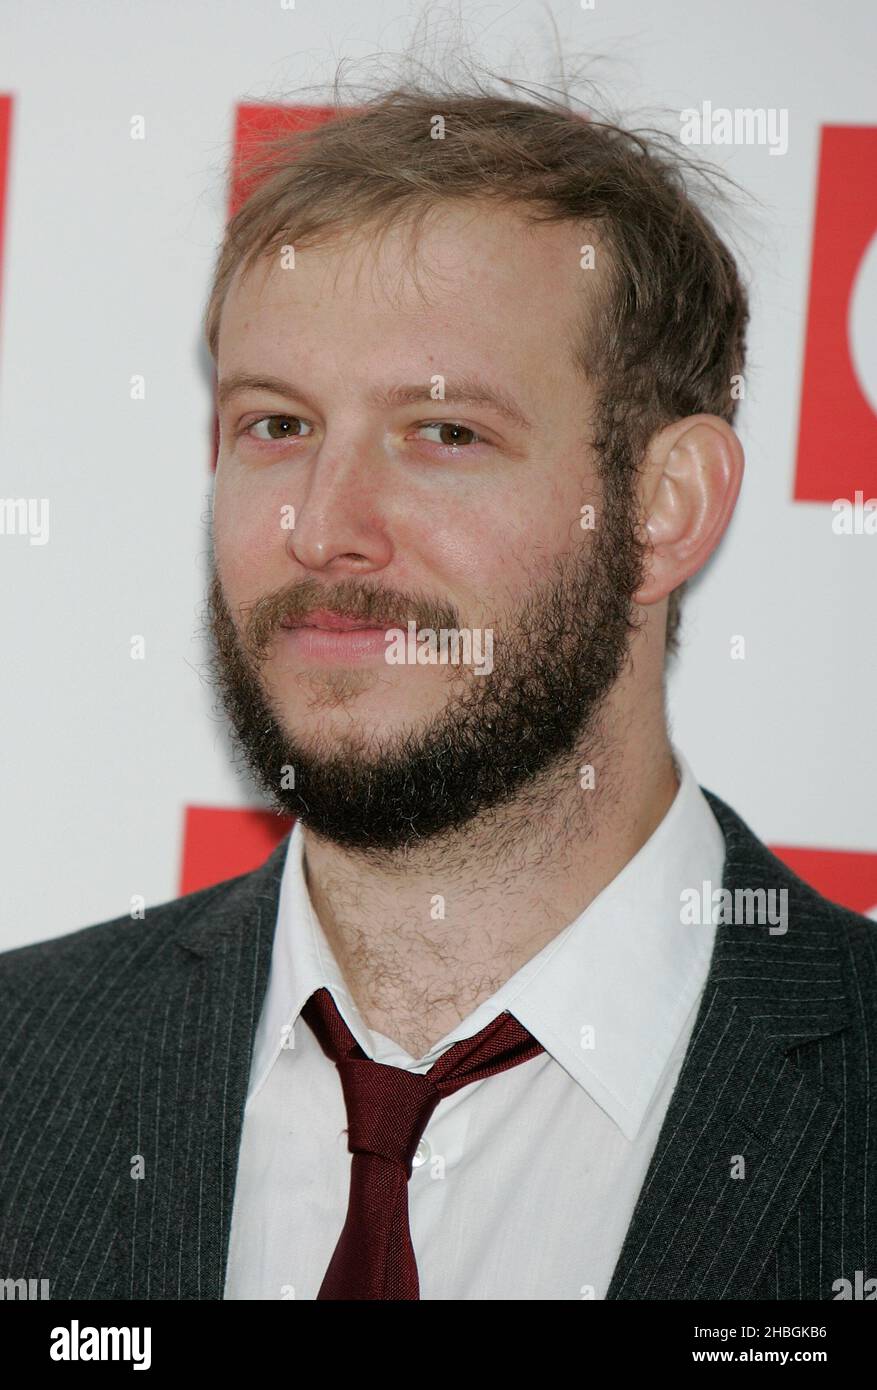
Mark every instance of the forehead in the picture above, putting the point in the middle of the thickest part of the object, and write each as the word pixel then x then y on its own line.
pixel 468 278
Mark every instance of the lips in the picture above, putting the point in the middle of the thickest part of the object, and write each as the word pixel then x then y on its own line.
pixel 332 622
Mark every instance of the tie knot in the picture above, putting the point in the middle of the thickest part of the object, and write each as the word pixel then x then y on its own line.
pixel 387 1108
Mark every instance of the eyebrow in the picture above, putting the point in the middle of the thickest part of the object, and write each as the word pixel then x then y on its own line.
pixel 467 390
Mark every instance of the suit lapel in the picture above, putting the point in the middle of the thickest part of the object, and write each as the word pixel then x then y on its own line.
pixel 699 1231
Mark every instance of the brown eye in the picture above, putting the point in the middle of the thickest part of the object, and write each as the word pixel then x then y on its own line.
pixel 277 427
pixel 452 435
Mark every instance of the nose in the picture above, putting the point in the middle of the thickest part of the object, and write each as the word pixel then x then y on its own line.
pixel 340 526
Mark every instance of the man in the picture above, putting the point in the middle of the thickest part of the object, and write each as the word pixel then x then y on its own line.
pixel 517 1011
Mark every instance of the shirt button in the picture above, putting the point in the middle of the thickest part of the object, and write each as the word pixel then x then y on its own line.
pixel 421 1154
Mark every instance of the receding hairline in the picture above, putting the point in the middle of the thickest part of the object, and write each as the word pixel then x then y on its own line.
pixel 597 288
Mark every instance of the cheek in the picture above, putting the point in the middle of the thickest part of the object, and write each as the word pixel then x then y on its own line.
pixel 481 561
pixel 505 543
pixel 246 535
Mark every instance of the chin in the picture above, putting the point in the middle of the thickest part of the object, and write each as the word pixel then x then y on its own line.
pixel 350 696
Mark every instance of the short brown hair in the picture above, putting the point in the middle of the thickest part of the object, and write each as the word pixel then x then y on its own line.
pixel 666 334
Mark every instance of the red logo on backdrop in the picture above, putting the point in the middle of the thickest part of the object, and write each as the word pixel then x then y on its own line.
pixel 257 125
pixel 843 876
pixel 220 844
pixel 837 438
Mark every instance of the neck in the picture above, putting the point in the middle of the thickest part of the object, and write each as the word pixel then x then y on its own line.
pixel 423 937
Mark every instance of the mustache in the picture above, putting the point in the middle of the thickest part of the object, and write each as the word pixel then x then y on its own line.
pixel 349 598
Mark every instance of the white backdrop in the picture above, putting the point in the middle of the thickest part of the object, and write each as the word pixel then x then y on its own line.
pixel 109 244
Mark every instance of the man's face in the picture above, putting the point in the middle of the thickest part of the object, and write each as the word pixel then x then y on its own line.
pixel 333 495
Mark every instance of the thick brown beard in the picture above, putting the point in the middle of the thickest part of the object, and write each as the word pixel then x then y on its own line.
pixel 557 658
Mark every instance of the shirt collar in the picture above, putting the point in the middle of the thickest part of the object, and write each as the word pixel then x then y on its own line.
pixel 608 997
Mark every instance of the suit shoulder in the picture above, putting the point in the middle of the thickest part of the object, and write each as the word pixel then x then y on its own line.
pixel 123 937
pixel 753 862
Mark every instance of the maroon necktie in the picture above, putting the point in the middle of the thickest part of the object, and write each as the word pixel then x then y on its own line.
pixel 388 1109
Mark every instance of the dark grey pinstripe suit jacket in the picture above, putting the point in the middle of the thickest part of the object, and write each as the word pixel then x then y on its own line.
pixel 133 1039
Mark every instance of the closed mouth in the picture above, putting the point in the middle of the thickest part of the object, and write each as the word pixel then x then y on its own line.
pixel 333 622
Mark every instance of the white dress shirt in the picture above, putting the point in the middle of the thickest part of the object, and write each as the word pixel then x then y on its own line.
pixel 525 1182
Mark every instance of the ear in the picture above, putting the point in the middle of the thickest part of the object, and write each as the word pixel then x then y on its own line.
pixel 688 489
